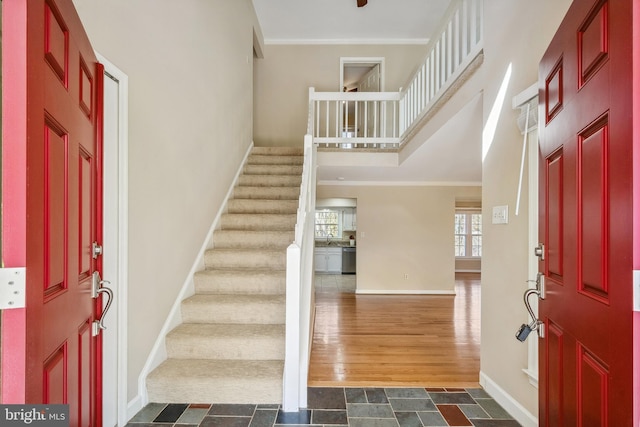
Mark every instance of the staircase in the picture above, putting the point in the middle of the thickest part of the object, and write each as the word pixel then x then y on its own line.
pixel 230 346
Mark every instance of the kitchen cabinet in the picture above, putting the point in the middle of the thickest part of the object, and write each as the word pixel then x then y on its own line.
pixel 328 260
pixel 349 219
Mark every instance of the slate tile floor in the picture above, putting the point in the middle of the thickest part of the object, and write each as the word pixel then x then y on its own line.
pixel 342 407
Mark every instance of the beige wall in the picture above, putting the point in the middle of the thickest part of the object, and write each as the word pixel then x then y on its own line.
pixel 407 230
pixel 285 74
pixel 516 33
pixel 190 123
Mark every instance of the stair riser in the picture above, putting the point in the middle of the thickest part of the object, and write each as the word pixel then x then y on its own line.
pixel 271 193
pixel 204 390
pixel 253 206
pixel 269 180
pixel 235 239
pixel 253 314
pixel 245 259
pixel 237 348
pixel 258 159
pixel 273 170
pixel 278 151
pixel 228 284
pixel 258 222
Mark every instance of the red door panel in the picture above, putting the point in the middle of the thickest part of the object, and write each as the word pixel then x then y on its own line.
pixel 586 210
pixel 56 109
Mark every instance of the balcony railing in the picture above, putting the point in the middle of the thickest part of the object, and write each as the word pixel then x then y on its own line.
pixel 388 119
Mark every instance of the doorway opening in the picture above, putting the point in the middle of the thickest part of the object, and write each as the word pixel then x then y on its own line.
pixel 364 74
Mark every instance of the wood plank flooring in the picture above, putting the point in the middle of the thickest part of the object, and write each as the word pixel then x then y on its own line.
pixel 395 341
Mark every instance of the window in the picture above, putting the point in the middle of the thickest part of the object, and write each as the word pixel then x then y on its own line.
pixel 327 224
pixel 468 234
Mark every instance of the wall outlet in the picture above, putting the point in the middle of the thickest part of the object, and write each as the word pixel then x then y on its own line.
pixel 406 276
pixel 500 215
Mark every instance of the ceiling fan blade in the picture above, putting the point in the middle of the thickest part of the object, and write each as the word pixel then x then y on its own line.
pixel 362 3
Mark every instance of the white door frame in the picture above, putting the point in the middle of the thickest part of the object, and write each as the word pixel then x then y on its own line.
pixel 115 232
pixel 362 60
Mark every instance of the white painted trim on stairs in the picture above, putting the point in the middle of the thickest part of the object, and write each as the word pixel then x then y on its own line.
pixel 158 352
pixel 511 405
pixel 403 292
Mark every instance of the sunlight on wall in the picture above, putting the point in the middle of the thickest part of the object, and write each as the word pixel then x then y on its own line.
pixel 489 131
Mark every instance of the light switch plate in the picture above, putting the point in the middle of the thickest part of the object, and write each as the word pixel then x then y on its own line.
pixel 500 215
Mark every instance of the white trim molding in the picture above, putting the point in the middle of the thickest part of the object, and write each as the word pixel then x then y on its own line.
pixel 511 405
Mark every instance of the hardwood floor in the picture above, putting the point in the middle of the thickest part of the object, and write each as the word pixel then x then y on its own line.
pixel 383 340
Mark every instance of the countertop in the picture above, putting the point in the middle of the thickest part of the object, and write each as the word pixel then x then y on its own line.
pixel 333 244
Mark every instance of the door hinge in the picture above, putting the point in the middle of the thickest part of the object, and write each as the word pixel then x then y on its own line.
pixel 636 290
pixel 13 285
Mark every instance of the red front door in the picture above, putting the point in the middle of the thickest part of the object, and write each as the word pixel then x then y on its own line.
pixel 586 213
pixel 52 106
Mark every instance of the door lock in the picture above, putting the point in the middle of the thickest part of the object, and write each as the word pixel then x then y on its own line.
pixel 539 251
pixel 96 250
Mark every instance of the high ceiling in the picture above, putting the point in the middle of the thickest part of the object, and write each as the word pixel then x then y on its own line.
pixel 327 21
pixel 450 155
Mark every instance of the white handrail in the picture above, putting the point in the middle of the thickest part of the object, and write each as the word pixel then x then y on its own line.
pixel 299 288
pixel 386 119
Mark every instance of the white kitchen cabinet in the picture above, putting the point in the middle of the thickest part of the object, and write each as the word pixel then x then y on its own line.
pixel 349 219
pixel 328 260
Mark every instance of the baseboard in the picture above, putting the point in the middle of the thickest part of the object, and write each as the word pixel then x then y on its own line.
pixel 403 292
pixel 512 406
pixel 134 406
pixel 158 352
pixel 468 271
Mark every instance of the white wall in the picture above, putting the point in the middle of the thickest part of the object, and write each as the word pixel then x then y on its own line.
pixel 190 69
pixel 407 230
pixel 516 34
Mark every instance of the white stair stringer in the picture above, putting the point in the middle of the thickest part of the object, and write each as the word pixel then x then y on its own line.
pixel 229 347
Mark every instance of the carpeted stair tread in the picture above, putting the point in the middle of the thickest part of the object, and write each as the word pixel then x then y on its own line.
pixel 240 281
pixel 278 151
pixel 216 381
pixel 239 309
pixel 271 193
pixel 245 258
pixel 270 180
pixel 260 159
pixel 246 239
pixel 262 206
pixel 226 341
pixel 273 169
pixel 272 222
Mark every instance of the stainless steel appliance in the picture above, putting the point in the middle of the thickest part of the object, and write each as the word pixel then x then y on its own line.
pixel 348 260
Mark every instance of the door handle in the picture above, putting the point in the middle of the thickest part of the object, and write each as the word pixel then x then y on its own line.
pixel 97 288
pixel 536 324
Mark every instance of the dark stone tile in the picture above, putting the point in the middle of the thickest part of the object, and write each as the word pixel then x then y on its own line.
pixel 171 413
pixel 364 410
pixel 400 405
pixel 241 410
pixel 225 421
pixel 300 417
pixel 134 424
pixel 478 393
pixel 494 409
pixel 192 416
pixel 432 419
pixel 355 395
pixel 268 406
pixel 406 393
pixel 452 398
pixel 495 423
pixel 408 419
pixel 264 418
pixel 454 415
pixel 373 422
pixel 326 398
pixel 298 425
pixel 473 411
pixel 320 416
pixel 148 413
pixel 376 395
